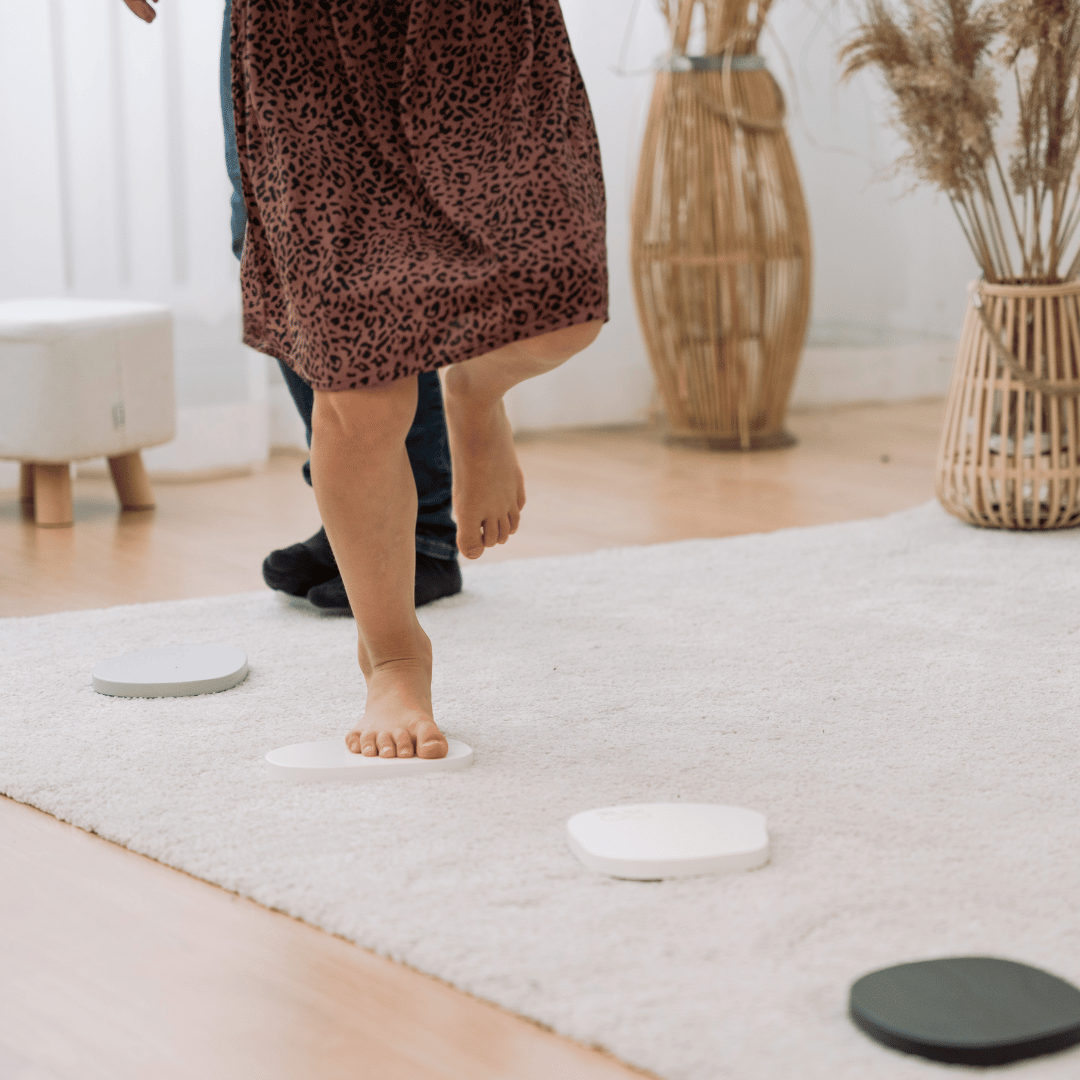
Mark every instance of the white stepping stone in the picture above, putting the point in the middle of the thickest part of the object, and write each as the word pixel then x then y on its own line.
pixel 648 841
pixel 319 762
pixel 173 671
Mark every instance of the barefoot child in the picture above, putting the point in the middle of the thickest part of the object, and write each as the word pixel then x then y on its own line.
pixel 423 186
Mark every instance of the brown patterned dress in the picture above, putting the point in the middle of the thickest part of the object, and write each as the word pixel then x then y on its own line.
pixel 422 180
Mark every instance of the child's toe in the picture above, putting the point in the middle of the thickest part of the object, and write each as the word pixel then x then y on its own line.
pixel 430 741
pixel 361 742
pixel 471 543
pixel 403 743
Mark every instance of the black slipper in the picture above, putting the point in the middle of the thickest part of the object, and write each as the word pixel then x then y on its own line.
pixel 435 578
pixel 299 568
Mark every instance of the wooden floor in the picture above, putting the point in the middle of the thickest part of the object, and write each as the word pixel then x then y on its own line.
pixel 586 490
pixel 113 966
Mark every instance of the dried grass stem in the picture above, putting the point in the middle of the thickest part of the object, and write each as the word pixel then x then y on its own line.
pixel 943 62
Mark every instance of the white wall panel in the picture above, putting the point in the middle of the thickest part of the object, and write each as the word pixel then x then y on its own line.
pixel 31 237
pixel 891 267
pixel 113 184
pixel 117 188
pixel 88 59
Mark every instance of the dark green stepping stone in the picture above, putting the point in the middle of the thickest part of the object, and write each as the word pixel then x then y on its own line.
pixel 968 1010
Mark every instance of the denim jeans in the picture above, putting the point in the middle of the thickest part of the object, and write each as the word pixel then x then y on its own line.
pixel 426 442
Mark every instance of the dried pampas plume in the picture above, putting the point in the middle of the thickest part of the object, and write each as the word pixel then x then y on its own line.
pixel 943 62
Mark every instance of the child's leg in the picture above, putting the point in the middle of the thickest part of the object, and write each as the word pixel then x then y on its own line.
pixel 488 488
pixel 367 498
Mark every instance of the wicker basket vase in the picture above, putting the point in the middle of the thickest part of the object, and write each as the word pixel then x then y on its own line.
pixel 1010 449
pixel 720 246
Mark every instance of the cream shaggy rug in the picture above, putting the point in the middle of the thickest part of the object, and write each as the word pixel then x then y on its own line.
pixel 899 696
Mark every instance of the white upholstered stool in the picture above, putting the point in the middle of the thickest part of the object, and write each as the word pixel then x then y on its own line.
pixel 83 379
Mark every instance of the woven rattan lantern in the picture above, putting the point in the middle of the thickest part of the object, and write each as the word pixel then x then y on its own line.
pixel 720 249
pixel 1010 449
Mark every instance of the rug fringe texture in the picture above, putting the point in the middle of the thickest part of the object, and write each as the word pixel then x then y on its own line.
pixel 898 696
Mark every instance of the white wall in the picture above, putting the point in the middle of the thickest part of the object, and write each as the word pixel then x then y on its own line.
pixel 891 269
pixel 112 183
pixel 891 265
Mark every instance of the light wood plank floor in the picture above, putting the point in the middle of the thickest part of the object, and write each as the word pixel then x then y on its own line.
pixel 115 967
pixel 586 490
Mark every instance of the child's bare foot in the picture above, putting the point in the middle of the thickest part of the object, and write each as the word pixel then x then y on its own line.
pixel 398 720
pixel 489 490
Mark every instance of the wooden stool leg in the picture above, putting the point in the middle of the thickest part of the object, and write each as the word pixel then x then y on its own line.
pixel 26 481
pixel 52 496
pixel 129 476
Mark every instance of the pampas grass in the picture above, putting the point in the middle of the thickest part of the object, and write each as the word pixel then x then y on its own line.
pixel 945 62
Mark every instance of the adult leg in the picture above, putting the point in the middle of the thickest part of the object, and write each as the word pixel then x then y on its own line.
pixel 297 568
pixel 228 121
pixel 304 400
pixel 428 446
pixel 309 568
pixel 309 564
pixel 367 498
pixel 489 491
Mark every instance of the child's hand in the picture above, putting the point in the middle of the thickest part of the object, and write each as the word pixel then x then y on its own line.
pixel 142 9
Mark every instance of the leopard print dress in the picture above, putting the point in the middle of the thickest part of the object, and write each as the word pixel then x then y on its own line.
pixel 422 180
